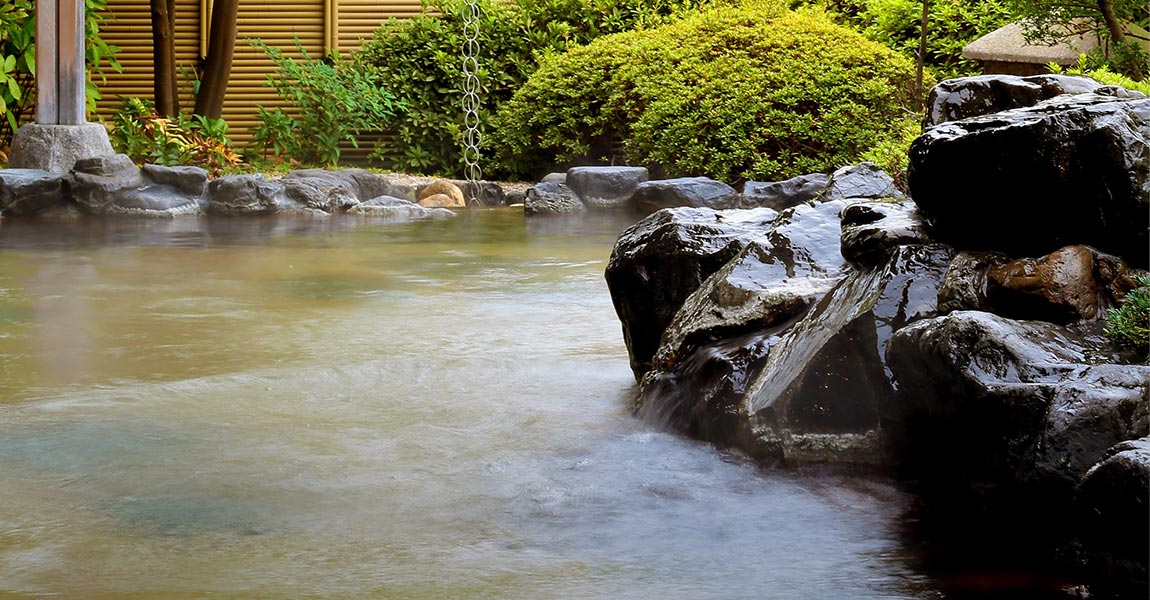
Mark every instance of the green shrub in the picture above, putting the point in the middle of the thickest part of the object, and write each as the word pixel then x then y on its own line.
pixel 420 59
pixel 333 103
pixel 1129 324
pixel 748 92
pixel 148 137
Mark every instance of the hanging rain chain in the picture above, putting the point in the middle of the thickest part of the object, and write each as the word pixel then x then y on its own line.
pixel 472 173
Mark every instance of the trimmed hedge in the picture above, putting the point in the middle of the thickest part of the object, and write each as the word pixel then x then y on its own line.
pixel 419 60
pixel 749 92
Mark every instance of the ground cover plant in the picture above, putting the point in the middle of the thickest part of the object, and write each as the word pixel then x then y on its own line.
pixel 754 91
pixel 148 137
pixel 1129 324
pixel 419 59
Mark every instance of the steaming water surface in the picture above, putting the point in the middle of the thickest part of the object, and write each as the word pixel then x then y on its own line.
pixel 273 409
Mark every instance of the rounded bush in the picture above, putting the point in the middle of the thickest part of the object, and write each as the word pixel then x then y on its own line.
pixel 745 92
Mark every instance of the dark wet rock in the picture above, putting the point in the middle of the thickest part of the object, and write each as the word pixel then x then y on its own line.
pixel 693 192
pixel 964 286
pixel 551 199
pixel 780 195
pixel 1032 405
pixel 811 389
pixel 554 178
pixel 150 200
pixel 1113 502
pixel 189 181
pixel 29 191
pixel 659 261
pixel 397 209
pixel 363 184
pixel 872 229
pixel 1059 287
pixel 965 97
pixel 771 281
pixel 1071 170
pixel 322 193
pixel 245 195
pixel 515 197
pixel 862 181
pixel 95 182
pixel 605 187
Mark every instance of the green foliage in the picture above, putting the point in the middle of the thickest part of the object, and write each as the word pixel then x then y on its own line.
pixel 892 153
pixel 18 59
pixel 748 92
pixel 17 62
pixel 332 104
pixel 951 25
pixel 419 58
pixel 146 136
pixel 1129 324
pixel 1099 70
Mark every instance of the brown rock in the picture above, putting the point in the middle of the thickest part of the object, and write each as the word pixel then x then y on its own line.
pixel 1058 287
pixel 444 188
pixel 438 201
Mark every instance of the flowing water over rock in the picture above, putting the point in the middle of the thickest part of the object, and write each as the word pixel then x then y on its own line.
pixel 279 408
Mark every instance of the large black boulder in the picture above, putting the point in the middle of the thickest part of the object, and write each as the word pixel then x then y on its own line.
pixel 810 385
pixel 1006 409
pixel 659 261
pixel 1070 170
pixel 1113 503
pixel 695 192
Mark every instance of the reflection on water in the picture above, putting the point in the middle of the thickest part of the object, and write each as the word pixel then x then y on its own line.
pixel 277 408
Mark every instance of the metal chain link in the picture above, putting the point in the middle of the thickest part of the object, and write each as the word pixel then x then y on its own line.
pixel 471 170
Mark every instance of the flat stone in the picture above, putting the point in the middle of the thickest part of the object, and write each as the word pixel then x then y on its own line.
pixel 191 181
pixel 245 195
pixel 864 181
pixel 322 193
pixel 390 208
pixel 97 181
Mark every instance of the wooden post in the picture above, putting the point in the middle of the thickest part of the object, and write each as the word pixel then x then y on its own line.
pixel 47 107
pixel 60 72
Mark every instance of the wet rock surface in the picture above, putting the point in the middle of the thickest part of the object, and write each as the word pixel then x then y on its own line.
pixel 322 193
pixel 359 183
pixel 965 97
pixel 551 199
pixel 605 188
pixel 1033 405
pixel 781 195
pixel 693 192
pixel 658 262
pixel 871 229
pixel 1114 504
pixel 1070 170
pixel 95 182
pixel 29 191
pixel 863 181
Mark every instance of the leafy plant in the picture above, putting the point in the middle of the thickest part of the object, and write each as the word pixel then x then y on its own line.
pixel 146 136
pixel 1090 66
pixel 419 58
pixel 1052 21
pixel 1129 324
pixel 332 104
pixel 749 92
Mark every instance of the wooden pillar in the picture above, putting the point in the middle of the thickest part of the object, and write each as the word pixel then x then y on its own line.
pixel 60 72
